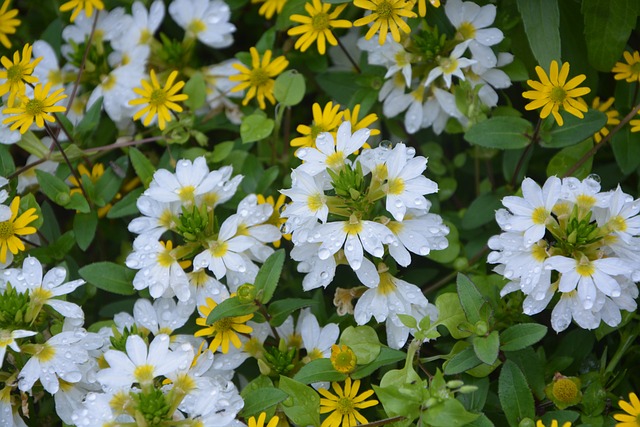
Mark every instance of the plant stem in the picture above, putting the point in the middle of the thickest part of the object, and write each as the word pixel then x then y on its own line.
pixel 76 84
pixel 73 170
pixel 534 139
pixel 353 62
pixel 385 421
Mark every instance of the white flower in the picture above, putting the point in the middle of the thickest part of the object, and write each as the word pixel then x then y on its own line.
pixel 111 25
pixel 215 402
pixel 406 186
pixel 586 193
pixel 48 69
pixel 251 222
pixel 9 416
pixel 204 286
pixel 143 25
pixel 620 215
pixel 5 211
pixel 329 153
pixel 116 90
pixel 319 272
pixel 392 93
pixel 451 66
pixel 491 79
pixel 307 196
pixel 205 19
pixel 163 317
pixel 317 340
pixel 8 339
pixel 157 218
pixel 391 55
pixel 8 136
pixel 470 21
pixel 447 102
pixel 141 364
pixel 418 233
pixel 97 411
pixel 219 89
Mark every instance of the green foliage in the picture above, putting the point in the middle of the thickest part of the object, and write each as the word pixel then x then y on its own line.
pixel 503 132
pixel 542 25
pixel 268 276
pixel 109 276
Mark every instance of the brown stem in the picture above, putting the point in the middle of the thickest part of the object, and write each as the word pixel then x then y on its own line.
pixel 116 145
pixel 26 168
pixel 385 421
pixel 534 139
pixel 606 139
pixel 76 84
pixel 66 159
pixel 353 62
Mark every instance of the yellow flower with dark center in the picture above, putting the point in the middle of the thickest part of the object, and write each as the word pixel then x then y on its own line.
pixel 17 73
pixel 386 16
pixel 422 6
pixel 80 5
pixel 317 25
pixel 159 100
pixel 270 7
pixel 632 409
pixel 554 423
pixel 13 227
pixel 275 218
pixel 343 359
pixel 225 330
pixel 612 116
pixel 253 422
pixel 554 91
pixel 8 23
pixel 344 405
pixel 629 71
pixel 260 78
pixel 39 108
pixel 324 120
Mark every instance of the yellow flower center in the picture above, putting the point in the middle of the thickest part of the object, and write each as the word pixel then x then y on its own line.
pixel 396 186
pixel 384 10
pixel 143 373
pixel 166 219
pixel 395 226
pixel 223 325
pixel 635 69
pixel 242 230
pixel 386 285
pixel 145 36
pixel 345 406
pixel 538 253
pixel 585 269
pixel 617 223
pixel 219 249
pixel 16 73
pixel 448 65
pixel 158 97
pixel 34 107
pixel 109 83
pixel 335 160
pixel 565 390
pixel 54 77
pixel 165 259
pixel 6 230
pixel 197 26
pixel 585 201
pixel 315 202
pixel 320 21
pixel 46 353
pixel 259 77
pixel 316 130
pixel 354 226
pixel 558 95
pixel 187 193
pixel 467 30
pixel 539 215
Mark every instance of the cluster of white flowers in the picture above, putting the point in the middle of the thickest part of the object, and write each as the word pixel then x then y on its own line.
pixel 420 70
pixel 337 216
pixel 571 239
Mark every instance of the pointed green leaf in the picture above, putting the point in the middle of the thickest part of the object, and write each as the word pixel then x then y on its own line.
pixel 486 348
pixel 503 132
pixel 519 336
pixel 230 307
pixel 303 405
pixel 109 276
pixel 470 298
pixel 268 276
pixel 541 20
pixel 515 395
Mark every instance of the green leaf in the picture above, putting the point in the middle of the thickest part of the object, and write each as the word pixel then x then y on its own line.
pixel 110 277
pixel 470 298
pixel 29 201
pixel 451 314
pixel 318 370
pixel 364 342
pixel 260 400
pixel 481 211
pixel 400 401
pixel 281 309
pixel 607 27
pixel 30 143
pixel 574 129
pixel 90 121
pixel 84 227
pixel 110 182
pixel 221 151
pixel 255 128
pixel 142 165
pixel 626 149
pixel 291 7
pixel 196 89
pixel 519 336
pixel 268 276
pixel 541 21
pixel 569 156
pixel 503 132
pixel 449 413
pixel 386 357
pixel 303 405
pixel 533 368
pixel 289 88
pixel 482 421
pixel 53 187
pixel 78 203
pixel 230 307
pixel 515 396
pixel 127 205
pixel 57 250
pixel 461 362
pixel 486 348
pixel 7 166
pixel 338 85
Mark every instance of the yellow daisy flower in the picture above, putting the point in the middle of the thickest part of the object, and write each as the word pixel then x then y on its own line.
pixel 224 331
pixel 14 227
pixel 273 422
pixel 612 116
pixel 38 109
pixel 343 359
pixel 357 123
pixel 386 16
pixel 80 5
pixel 270 7
pixel 629 71
pixel 8 23
pixel 422 6
pixel 159 100
pixel 632 409
pixel 635 125
pixel 275 218
pixel 554 91
pixel 16 73
pixel 317 26
pixel 259 79
pixel 554 423
pixel 326 120
pixel 344 404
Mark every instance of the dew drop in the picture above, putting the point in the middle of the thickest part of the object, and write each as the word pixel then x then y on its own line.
pixel 411 151
pixel 324 253
pixel 424 250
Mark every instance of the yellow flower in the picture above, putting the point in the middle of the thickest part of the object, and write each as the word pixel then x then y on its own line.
pixel 386 16
pixel 635 125
pixel 365 122
pixel 259 79
pixel 14 227
pixel 38 108
pixel 273 422
pixel 8 23
pixel 632 409
pixel 344 405
pixel 422 6
pixel 275 218
pixel 629 71
pixel 553 92
pixel 326 120
pixel 16 73
pixel 225 330
pixel 343 359
pixel 554 423
pixel 270 7
pixel 80 5
pixel 158 100
pixel 317 26
pixel 612 116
